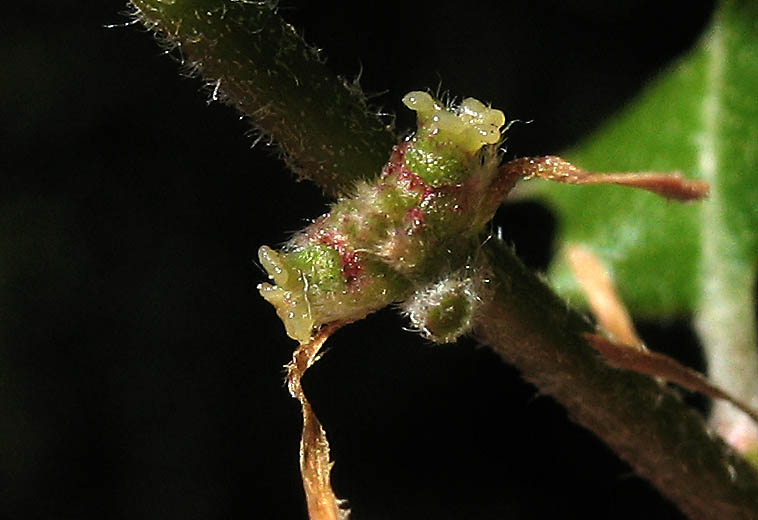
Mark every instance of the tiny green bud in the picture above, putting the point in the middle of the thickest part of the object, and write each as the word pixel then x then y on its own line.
pixel 443 311
pixel 322 263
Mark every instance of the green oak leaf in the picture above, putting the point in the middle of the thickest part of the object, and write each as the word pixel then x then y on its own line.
pixel 701 118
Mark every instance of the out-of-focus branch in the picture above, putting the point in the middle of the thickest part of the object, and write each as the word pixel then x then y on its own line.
pixel 647 425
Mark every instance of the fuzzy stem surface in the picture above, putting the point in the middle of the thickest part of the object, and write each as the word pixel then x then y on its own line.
pixel 252 59
pixel 647 425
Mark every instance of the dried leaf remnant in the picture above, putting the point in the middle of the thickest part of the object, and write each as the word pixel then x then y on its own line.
pixel 624 348
pixel 315 464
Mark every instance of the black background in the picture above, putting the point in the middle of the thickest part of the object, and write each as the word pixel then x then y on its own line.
pixel 141 374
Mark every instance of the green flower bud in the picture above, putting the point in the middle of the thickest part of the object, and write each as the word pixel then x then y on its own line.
pixel 420 218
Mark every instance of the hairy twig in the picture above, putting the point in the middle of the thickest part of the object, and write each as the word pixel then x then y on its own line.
pixel 648 426
pixel 258 63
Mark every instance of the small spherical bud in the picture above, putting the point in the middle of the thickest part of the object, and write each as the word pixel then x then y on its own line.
pixel 444 311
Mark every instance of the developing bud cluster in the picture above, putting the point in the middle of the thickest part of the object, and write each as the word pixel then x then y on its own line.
pixel 395 238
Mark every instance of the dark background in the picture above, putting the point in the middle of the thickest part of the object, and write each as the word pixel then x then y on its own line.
pixel 141 374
